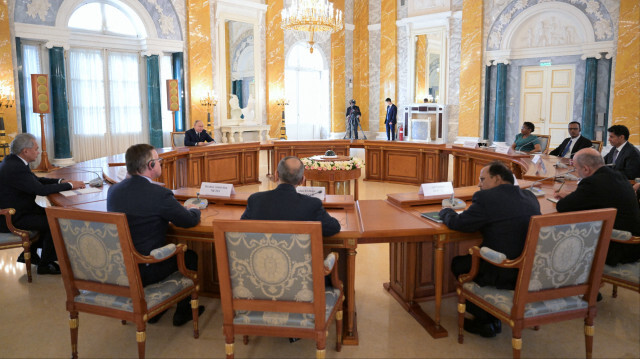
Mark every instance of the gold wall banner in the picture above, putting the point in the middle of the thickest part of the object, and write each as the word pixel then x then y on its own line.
pixel 471 68
pixel 421 68
pixel 388 57
pixel 200 57
pixel 626 101
pixel 361 59
pixel 275 66
pixel 6 69
pixel 338 106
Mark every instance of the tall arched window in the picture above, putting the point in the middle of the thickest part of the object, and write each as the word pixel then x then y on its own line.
pixel 307 89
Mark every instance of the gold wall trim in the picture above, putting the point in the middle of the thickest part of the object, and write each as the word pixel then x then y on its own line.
pixel 200 72
pixel 388 57
pixel 338 89
pixel 6 70
pixel 626 102
pixel 471 68
pixel 275 66
pixel 361 59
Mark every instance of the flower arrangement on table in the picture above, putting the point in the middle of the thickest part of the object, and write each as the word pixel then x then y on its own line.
pixel 352 164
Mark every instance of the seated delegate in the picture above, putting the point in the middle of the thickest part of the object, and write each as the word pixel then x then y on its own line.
pixel 197 136
pixel 525 141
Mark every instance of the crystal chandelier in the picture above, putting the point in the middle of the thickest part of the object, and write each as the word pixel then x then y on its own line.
pixel 312 16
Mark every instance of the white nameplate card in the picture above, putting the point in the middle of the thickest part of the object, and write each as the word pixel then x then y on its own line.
pixel 502 149
pixel 536 159
pixel 470 144
pixel 317 192
pixel 436 189
pixel 217 189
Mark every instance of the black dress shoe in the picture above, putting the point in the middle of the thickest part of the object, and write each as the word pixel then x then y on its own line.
pixel 155 319
pixel 181 317
pixel 35 258
pixel 49 268
pixel 497 325
pixel 599 298
pixel 293 340
pixel 485 330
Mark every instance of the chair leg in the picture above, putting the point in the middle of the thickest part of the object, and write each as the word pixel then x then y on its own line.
pixel 73 326
pixel 194 311
pixel 124 322
pixel 339 331
pixel 614 292
pixel 228 347
pixel 245 339
pixel 516 341
pixel 588 338
pixel 141 338
pixel 462 308
pixel 27 261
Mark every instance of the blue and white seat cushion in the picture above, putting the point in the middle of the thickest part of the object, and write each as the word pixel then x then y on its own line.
pixel 10 237
pixel 628 271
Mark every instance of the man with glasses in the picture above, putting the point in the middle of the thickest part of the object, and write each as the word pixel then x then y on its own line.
pixel 572 144
pixel 149 208
pixel 19 188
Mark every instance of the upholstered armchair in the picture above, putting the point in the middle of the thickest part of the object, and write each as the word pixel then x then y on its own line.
pixel 559 275
pixel 272 281
pixel 177 139
pixel 544 143
pixel 624 275
pixel 99 267
pixel 18 238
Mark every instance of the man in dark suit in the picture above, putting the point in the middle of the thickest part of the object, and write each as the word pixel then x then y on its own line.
pixel 19 188
pixel 624 156
pixel 197 136
pixel 285 204
pixel 501 212
pixel 603 187
pixel 353 121
pixel 390 120
pixel 574 143
pixel 149 208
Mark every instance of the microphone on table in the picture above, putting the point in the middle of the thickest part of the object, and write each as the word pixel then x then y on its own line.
pixel 454 203
pixel 96 182
pixel 201 203
pixel 539 192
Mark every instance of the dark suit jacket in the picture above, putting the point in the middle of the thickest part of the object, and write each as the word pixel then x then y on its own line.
pixel 19 188
pixel 149 209
pixel 607 188
pixel 356 110
pixel 285 204
pixel 191 137
pixel 502 215
pixel 628 161
pixel 391 115
pixel 581 142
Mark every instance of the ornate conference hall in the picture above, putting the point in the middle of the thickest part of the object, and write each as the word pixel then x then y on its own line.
pixel 320 80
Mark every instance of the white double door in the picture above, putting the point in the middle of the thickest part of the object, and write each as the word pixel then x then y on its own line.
pixel 546 100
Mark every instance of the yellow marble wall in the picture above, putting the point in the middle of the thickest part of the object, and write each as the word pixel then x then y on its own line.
pixel 275 66
pixel 421 68
pixel 626 101
pixel 200 70
pixel 6 69
pixel 338 76
pixel 388 57
pixel 471 69
pixel 361 61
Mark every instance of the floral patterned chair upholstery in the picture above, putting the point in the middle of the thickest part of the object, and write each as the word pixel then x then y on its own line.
pixel 559 274
pixel 272 281
pixel 624 275
pixel 18 238
pixel 99 267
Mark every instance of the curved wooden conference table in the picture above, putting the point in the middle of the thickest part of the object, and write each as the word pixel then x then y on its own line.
pixel 420 250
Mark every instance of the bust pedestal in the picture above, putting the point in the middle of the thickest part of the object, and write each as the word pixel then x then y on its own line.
pixel 229 132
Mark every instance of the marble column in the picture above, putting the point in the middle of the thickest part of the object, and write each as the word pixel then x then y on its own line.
pixel 626 102
pixel 21 92
pixel 153 101
pixel 338 83
pixel 470 68
pixel 361 59
pixel 6 67
pixel 388 57
pixel 177 60
pixel 61 144
pixel 501 103
pixel 589 102
pixel 487 101
pixel 275 66
pixel 200 59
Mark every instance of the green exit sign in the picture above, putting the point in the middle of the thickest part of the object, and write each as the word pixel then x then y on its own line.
pixel 545 63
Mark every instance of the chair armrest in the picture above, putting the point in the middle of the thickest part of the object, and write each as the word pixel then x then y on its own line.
pixel 492 256
pixel 620 236
pixel 141 259
pixel 7 213
pixel 163 252
pixel 329 262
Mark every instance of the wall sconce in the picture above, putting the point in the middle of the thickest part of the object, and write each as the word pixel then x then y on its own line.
pixel 7 100
pixel 209 100
pixel 283 128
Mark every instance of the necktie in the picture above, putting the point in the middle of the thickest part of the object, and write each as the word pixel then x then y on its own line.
pixel 566 149
pixel 615 155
